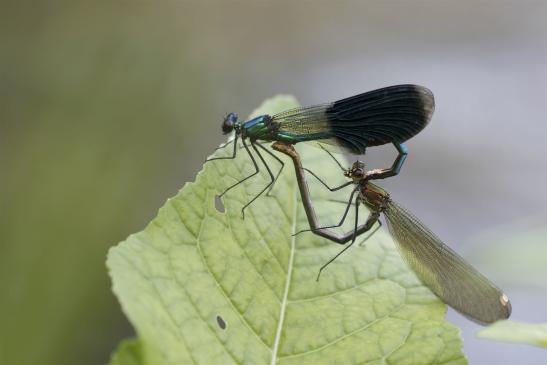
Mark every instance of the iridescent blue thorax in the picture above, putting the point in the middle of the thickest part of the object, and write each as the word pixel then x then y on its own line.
pixel 260 128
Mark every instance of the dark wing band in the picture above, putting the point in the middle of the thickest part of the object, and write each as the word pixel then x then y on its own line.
pixel 391 114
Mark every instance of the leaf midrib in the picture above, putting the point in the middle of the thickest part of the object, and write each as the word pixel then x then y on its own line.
pixel 284 301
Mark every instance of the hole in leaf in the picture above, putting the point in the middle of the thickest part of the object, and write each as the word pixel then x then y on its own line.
pixel 218 204
pixel 221 322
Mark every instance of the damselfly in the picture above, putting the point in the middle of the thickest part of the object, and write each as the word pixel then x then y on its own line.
pixel 441 269
pixel 391 114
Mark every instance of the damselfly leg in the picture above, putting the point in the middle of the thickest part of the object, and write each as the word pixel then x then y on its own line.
pixel 253 145
pixel 370 175
pixel 224 145
pixel 234 153
pixel 257 170
pixel 288 149
pixel 373 218
pixel 320 179
pixel 260 145
pixel 342 220
pixel 348 246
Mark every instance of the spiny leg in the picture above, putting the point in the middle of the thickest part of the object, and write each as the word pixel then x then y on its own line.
pixel 288 149
pixel 371 233
pixel 325 184
pixel 256 142
pixel 278 160
pixel 233 154
pixel 372 218
pixel 224 145
pixel 266 187
pixel 248 177
pixel 337 201
pixel 357 200
pixel 313 229
pixel 348 246
pixel 332 156
pixel 320 179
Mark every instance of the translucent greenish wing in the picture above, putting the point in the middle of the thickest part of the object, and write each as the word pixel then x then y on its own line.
pixel 305 120
pixel 391 114
pixel 311 124
pixel 453 280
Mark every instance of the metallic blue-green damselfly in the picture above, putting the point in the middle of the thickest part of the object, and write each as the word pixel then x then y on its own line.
pixel 389 115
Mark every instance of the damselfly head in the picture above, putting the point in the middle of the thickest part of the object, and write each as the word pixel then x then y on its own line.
pixel 229 122
pixel 357 171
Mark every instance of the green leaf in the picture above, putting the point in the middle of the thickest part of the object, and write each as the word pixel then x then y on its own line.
pixel 516 332
pixel 202 286
pixel 129 352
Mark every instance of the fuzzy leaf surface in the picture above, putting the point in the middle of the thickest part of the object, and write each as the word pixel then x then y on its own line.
pixel 202 286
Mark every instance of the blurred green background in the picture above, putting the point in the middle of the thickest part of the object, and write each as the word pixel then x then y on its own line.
pixel 108 107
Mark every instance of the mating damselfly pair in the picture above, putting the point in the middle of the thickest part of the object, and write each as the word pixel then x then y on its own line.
pixel 388 115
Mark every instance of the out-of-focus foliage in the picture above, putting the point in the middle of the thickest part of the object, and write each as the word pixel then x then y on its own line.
pixel 129 352
pixel 516 332
pixel 516 254
pixel 193 264
pixel 90 111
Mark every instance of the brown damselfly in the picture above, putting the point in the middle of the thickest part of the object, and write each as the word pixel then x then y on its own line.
pixel 441 269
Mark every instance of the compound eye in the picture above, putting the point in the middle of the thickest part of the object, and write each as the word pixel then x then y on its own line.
pixel 358 173
pixel 229 122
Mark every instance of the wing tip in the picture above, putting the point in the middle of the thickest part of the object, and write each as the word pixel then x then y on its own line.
pixel 498 314
pixel 427 100
pixel 506 303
